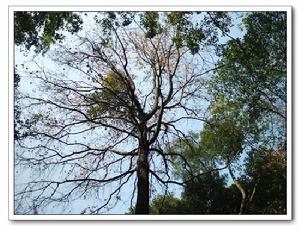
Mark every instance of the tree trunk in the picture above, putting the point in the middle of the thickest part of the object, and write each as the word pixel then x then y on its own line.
pixel 242 191
pixel 142 204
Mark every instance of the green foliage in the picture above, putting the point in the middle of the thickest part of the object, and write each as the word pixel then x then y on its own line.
pixel 268 170
pixel 182 24
pixel 225 133
pixel 127 18
pixel 163 204
pixel 204 31
pixel 178 18
pixel 40 29
pixel 194 37
pixel 166 204
pixel 36 117
pixel 252 76
pixel 221 139
pixel 250 88
pixel 112 100
pixel 208 194
pixel 191 151
pixel 254 68
pixel 186 31
pixel 150 21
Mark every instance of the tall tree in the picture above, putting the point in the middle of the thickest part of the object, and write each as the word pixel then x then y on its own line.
pixel 254 70
pixel 105 114
pixel 253 77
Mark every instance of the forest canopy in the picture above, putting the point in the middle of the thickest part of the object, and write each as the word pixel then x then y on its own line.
pixel 150 112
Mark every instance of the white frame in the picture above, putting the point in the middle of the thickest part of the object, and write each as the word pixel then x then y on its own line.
pixel 286 217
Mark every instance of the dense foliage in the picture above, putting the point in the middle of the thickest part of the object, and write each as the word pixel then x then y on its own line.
pixel 40 29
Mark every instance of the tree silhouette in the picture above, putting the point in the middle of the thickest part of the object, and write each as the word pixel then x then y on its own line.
pixel 102 117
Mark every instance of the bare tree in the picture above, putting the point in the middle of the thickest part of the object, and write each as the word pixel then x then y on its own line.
pixel 103 112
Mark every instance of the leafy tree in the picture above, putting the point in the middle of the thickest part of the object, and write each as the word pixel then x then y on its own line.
pixel 249 95
pixel 225 137
pixel 252 75
pixel 105 114
pixel 254 70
